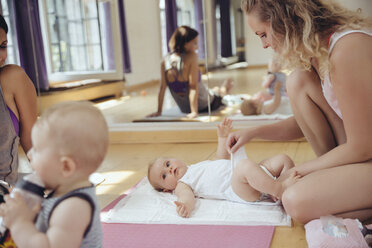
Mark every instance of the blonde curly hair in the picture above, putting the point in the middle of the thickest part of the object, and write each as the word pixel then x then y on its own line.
pixel 299 26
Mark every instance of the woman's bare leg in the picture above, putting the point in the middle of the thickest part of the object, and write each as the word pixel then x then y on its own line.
pixel 320 125
pixel 344 190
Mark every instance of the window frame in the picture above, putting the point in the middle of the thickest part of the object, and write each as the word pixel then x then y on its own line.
pixel 55 77
pixel 13 45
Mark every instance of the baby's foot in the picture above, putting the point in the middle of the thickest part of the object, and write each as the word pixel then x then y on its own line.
pixel 226 87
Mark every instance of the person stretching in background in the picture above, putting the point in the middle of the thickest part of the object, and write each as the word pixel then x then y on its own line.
pixel 180 72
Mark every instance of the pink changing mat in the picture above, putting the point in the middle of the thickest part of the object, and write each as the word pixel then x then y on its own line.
pixel 117 235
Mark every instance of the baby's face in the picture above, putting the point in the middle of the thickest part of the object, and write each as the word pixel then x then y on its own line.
pixel 166 172
pixel 44 157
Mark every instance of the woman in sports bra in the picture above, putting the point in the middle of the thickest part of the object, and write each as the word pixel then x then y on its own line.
pixel 329 49
pixel 180 72
pixel 18 111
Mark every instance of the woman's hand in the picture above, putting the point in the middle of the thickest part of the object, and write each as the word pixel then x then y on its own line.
pixel 154 114
pixel 237 139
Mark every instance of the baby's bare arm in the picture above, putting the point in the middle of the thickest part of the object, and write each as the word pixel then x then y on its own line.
pixel 223 130
pixel 66 226
pixel 185 200
pixel 69 222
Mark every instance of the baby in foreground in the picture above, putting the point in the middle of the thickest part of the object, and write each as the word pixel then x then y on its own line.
pixel 240 180
pixel 69 142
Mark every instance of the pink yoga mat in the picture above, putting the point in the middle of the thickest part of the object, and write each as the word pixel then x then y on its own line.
pixel 182 236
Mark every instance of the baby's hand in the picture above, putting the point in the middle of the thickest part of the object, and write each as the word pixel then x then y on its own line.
pixel 182 209
pixel 15 210
pixel 224 128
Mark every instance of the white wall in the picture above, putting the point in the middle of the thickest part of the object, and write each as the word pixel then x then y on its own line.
pixel 365 5
pixel 256 55
pixel 143 29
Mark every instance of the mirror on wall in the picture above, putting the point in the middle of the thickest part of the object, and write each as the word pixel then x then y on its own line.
pixel 245 45
pixel 106 43
pixel 146 56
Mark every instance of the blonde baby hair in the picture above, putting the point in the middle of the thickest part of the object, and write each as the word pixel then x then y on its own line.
pixel 79 131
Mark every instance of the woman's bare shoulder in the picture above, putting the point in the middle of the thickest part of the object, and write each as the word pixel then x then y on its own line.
pixel 14 78
pixel 350 45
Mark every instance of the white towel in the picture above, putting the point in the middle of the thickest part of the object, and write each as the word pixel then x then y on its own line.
pixel 146 205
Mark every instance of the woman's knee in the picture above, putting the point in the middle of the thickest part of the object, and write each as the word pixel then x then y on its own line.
pixel 299 81
pixel 294 204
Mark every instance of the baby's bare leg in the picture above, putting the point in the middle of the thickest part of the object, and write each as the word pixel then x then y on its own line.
pixel 249 180
pixel 278 164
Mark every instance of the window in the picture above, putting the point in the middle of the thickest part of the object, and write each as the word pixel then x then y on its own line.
pixel 80 39
pixel 13 56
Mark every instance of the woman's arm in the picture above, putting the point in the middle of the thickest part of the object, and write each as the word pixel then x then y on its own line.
pixel 185 200
pixel 24 94
pixel 193 85
pixel 163 86
pixel 351 77
pixel 284 130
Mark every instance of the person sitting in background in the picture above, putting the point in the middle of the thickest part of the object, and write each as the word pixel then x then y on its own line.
pixel 18 111
pixel 180 72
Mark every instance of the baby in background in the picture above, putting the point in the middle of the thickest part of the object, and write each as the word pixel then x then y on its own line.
pixel 69 142
pixel 240 180
pixel 268 100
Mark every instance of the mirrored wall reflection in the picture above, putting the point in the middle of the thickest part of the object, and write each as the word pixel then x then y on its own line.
pixel 224 44
pixel 75 43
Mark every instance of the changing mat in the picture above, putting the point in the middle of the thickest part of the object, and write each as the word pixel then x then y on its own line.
pixel 146 205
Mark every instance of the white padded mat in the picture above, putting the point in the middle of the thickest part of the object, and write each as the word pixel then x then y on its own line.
pixel 146 205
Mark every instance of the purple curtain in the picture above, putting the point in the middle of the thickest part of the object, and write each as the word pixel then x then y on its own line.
pixel 199 25
pixel 109 43
pixel 30 42
pixel 226 48
pixel 124 40
pixel 171 17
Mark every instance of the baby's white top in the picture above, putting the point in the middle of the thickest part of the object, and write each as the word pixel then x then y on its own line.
pixel 212 179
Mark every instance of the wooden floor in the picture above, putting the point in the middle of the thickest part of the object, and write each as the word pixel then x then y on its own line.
pixel 126 164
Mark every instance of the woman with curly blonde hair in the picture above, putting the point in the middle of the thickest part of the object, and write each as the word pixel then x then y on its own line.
pixel 329 49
